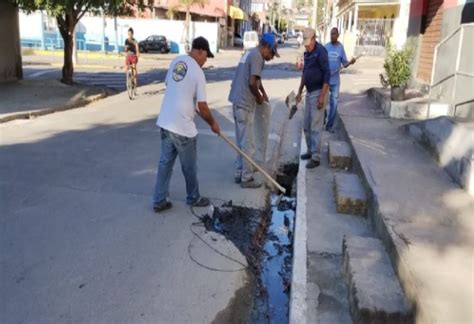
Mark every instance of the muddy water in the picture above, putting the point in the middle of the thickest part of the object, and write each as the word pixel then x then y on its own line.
pixel 276 260
pixel 265 238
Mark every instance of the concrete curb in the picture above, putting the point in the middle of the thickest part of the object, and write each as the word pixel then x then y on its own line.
pixel 37 113
pixel 298 303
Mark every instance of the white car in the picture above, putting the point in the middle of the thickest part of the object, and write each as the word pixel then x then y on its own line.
pixel 250 40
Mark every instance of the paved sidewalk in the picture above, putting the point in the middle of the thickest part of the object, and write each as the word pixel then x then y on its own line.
pixel 30 98
pixel 421 215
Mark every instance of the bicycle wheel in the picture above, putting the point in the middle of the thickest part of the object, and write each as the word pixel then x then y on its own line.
pixel 129 82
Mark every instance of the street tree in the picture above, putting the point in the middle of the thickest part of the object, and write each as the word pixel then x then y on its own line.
pixel 187 4
pixel 69 12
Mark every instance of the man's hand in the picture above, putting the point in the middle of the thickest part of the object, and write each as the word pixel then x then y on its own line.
pixel 298 98
pixel 216 128
pixel 259 99
pixel 265 97
pixel 321 102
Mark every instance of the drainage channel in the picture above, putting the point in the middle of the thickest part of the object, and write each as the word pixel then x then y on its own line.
pixel 265 238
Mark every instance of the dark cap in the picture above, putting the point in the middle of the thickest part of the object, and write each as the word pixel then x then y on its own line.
pixel 201 43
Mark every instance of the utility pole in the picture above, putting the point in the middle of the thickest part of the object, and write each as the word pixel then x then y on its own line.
pixel 315 13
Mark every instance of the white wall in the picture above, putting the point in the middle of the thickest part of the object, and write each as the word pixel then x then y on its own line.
pixel 92 27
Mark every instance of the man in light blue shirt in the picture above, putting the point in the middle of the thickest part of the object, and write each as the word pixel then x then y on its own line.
pixel 337 58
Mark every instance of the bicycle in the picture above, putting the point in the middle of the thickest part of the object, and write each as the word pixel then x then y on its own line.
pixel 131 83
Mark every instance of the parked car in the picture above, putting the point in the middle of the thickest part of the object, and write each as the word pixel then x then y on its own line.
pixel 238 42
pixel 154 43
pixel 250 40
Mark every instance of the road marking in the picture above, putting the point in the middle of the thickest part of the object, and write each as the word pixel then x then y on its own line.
pixel 40 73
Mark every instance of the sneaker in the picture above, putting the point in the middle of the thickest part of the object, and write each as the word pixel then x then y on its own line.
pixel 252 184
pixel 162 206
pixel 312 164
pixel 201 202
pixel 330 130
pixel 306 156
pixel 237 179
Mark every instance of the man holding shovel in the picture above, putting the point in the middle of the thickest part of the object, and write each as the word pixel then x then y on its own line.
pixel 185 91
pixel 315 78
pixel 246 92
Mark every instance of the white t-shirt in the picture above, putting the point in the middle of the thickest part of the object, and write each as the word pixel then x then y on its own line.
pixel 185 87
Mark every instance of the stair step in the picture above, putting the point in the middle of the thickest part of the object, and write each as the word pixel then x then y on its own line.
pixel 375 294
pixel 350 194
pixel 340 156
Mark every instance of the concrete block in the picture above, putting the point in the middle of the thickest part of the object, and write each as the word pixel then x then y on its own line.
pixel 375 294
pixel 339 155
pixel 350 194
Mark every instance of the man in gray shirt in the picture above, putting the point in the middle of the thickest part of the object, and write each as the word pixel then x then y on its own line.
pixel 245 93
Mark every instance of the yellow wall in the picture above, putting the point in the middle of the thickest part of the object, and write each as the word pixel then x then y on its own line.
pixel 381 11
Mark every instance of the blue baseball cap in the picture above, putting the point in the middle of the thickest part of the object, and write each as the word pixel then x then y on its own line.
pixel 270 40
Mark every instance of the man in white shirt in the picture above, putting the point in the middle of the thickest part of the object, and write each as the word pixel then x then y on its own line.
pixel 185 90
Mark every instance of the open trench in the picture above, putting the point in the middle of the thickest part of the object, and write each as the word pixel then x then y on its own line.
pixel 265 238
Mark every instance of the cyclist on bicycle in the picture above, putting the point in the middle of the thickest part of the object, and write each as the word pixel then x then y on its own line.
pixel 132 54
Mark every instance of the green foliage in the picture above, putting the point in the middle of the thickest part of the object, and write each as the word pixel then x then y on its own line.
pixel 397 66
pixel 79 7
pixel 283 25
pixel 189 3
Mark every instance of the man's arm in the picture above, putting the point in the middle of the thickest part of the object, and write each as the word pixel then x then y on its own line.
pixel 262 90
pixel 206 114
pixel 324 63
pixel 254 86
pixel 300 89
pixel 344 61
pixel 256 66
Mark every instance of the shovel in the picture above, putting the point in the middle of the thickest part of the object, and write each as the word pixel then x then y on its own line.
pixel 254 164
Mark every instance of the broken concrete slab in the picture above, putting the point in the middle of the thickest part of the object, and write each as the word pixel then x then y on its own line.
pixel 340 155
pixel 350 194
pixel 375 295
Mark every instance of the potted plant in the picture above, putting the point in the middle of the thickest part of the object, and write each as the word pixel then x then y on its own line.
pixel 397 68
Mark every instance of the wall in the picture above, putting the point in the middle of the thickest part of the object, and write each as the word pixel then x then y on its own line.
pixel 456 13
pixel 90 31
pixel 10 64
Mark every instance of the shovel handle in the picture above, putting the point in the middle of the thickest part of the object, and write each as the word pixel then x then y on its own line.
pixel 252 162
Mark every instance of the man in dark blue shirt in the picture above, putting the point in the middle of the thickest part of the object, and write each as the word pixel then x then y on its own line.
pixel 315 78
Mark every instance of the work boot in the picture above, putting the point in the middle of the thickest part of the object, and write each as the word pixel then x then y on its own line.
pixel 162 206
pixel 251 184
pixel 201 202
pixel 306 156
pixel 312 164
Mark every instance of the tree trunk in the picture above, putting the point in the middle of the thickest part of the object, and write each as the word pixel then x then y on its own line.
pixel 67 25
pixel 187 23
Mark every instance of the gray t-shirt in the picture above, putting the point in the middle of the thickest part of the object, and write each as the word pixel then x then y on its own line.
pixel 240 95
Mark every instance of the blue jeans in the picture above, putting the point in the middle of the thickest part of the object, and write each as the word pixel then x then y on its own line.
pixel 313 121
pixel 245 138
pixel 333 96
pixel 173 145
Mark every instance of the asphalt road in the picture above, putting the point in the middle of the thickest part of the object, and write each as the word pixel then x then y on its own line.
pixel 79 241
pixel 151 71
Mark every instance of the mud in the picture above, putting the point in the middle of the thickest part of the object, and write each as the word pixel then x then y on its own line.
pixel 265 239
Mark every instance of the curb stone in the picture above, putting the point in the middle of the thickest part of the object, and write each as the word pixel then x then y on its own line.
pixel 82 102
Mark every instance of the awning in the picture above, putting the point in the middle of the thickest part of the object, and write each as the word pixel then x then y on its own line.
pixel 237 13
